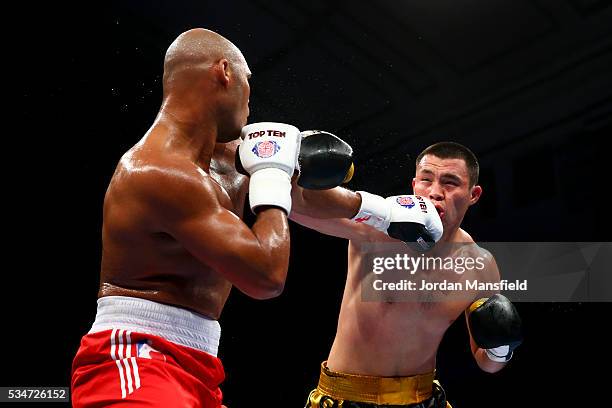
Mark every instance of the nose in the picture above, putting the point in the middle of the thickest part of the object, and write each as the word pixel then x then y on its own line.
pixel 436 193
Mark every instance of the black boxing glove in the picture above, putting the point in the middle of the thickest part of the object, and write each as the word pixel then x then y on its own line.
pixel 495 326
pixel 325 161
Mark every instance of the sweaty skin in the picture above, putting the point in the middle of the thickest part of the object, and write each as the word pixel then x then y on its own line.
pixel 390 339
pixel 172 231
pixel 141 262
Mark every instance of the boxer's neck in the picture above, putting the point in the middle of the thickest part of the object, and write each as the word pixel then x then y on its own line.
pixel 194 135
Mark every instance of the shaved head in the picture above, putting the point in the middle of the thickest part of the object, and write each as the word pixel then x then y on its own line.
pixel 206 83
pixel 195 51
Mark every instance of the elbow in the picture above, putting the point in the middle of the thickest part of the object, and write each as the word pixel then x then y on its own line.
pixel 267 292
pixel 273 285
pixel 268 287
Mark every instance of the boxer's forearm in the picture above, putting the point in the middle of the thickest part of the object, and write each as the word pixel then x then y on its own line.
pixel 333 203
pixel 485 363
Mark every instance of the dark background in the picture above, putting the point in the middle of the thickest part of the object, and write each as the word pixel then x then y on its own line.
pixel 526 84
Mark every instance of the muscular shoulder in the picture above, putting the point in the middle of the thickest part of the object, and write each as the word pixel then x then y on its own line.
pixel 463 236
pixel 169 185
pixel 490 272
pixel 469 247
pixel 485 255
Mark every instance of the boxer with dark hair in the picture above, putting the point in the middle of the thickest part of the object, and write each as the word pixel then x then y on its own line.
pixel 384 353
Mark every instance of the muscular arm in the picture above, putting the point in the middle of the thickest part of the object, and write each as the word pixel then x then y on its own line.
pixel 330 212
pixel 254 260
pixel 333 203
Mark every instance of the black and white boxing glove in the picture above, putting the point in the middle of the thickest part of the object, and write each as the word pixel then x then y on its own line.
pixel 495 326
pixel 268 153
pixel 409 218
pixel 324 160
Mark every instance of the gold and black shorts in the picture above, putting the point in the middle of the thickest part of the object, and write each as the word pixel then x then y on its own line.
pixel 339 390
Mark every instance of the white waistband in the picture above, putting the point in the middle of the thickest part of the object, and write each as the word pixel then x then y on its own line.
pixel 174 324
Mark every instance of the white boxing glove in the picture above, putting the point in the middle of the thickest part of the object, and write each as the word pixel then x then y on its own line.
pixel 409 218
pixel 268 152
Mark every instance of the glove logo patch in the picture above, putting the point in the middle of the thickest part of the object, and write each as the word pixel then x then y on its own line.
pixel 265 149
pixel 405 201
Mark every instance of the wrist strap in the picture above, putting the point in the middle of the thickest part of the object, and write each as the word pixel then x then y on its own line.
pixel 270 186
pixel 499 354
pixel 374 211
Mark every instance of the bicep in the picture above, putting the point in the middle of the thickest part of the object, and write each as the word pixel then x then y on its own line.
pixel 490 274
pixel 215 236
pixel 190 211
pixel 189 206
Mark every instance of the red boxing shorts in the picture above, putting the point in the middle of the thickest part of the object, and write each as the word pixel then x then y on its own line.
pixel 144 354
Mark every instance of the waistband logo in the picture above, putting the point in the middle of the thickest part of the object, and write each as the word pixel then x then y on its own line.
pixel 145 350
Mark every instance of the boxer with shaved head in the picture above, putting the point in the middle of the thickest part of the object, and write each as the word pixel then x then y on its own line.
pixel 173 240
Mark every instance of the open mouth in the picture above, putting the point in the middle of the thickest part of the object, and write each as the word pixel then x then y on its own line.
pixel 440 211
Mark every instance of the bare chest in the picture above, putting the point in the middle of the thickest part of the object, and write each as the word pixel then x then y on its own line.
pixel 432 293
